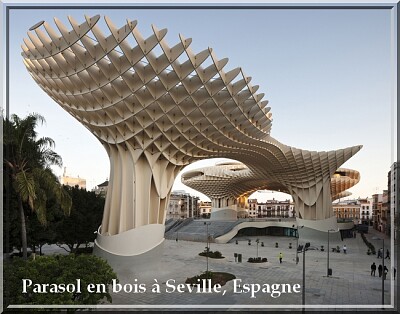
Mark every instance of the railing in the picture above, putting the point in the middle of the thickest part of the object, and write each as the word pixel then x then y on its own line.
pixel 346 219
pixel 269 219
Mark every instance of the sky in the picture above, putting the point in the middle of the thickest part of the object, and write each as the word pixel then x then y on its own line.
pixel 327 75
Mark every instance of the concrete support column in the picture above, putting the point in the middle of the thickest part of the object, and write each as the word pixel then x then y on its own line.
pixel 313 201
pixel 138 194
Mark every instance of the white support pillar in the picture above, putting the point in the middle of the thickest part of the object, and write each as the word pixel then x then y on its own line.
pixel 138 193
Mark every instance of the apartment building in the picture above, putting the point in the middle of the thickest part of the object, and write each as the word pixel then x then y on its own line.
pixel 182 205
pixel 366 210
pixel 347 210
pixel 393 197
pixel 204 209
pixel 271 208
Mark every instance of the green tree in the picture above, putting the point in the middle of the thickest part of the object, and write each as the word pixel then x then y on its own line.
pixel 27 160
pixel 12 226
pixel 57 269
pixel 39 234
pixel 85 218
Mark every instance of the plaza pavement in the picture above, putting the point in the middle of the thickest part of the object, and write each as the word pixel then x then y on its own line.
pixel 351 285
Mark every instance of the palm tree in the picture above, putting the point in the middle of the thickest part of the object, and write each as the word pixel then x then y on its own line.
pixel 28 160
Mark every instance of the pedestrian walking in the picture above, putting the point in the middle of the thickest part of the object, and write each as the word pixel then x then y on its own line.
pixel 385 271
pixel 387 254
pixel 280 257
pixel 373 269
pixel 380 268
pixel 344 249
pixel 380 253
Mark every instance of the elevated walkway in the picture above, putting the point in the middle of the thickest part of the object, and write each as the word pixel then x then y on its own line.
pixel 225 231
pixel 255 223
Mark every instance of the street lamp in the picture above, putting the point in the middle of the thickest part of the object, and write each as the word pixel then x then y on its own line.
pixel 327 267
pixel 297 242
pixel 257 241
pixel 208 246
pixel 304 273
pixel 304 249
pixel 383 268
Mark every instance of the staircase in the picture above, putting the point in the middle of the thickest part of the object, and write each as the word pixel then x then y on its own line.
pixel 195 230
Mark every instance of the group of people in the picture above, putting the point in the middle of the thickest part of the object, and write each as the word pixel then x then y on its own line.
pixel 382 271
pixel 337 249
pixel 380 253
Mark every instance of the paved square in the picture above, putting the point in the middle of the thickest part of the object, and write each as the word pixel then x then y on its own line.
pixel 350 284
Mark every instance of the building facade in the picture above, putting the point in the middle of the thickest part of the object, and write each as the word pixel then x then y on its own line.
pixel 366 210
pixel 204 209
pixel 347 210
pixel 72 181
pixel 271 209
pixel 393 196
pixel 385 220
pixel 386 205
pixel 377 211
pixel 101 189
pixel 182 205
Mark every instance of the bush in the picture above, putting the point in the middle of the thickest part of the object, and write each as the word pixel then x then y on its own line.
pixel 218 254
pixel 257 260
pixel 57 269
pixel 84 250
pixel 216 278
pixel 211 254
